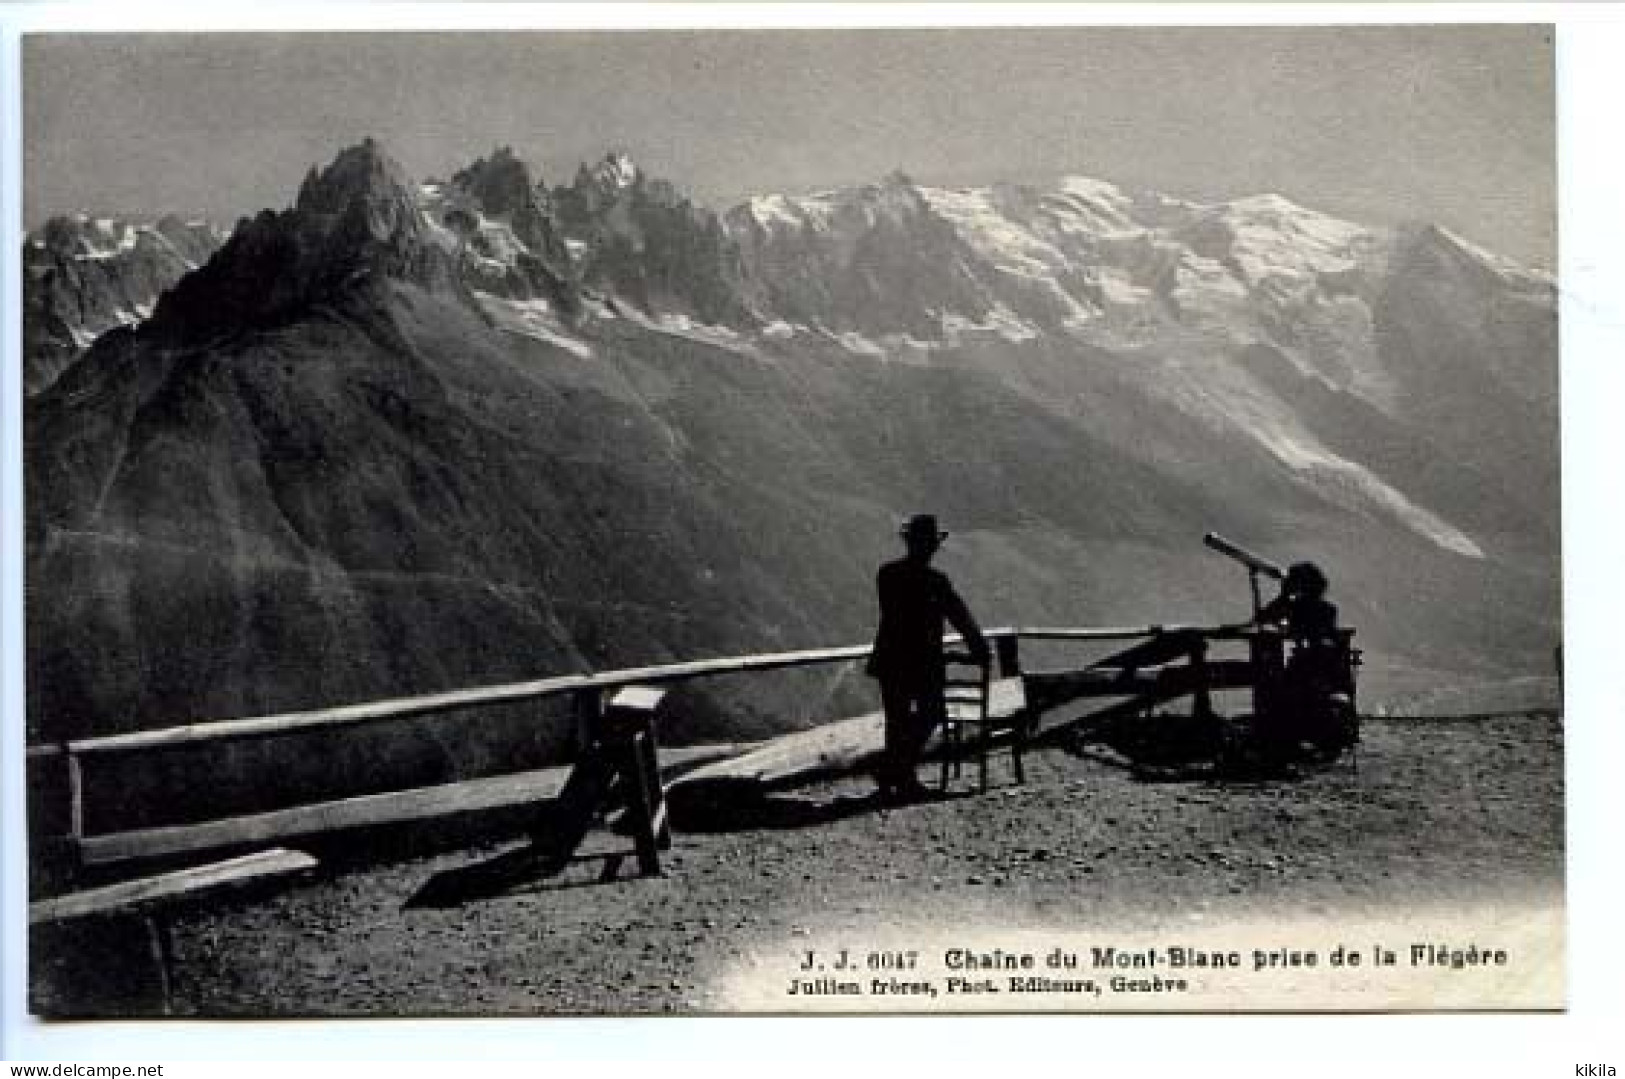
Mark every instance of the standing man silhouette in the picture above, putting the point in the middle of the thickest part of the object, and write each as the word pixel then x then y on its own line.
pixel 916 602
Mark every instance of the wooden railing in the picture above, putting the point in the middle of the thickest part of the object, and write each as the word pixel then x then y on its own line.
pixel 588 692
pixel 581 686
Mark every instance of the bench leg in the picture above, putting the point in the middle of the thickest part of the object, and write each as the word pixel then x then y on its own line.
pixel 642 805
pixel 649 766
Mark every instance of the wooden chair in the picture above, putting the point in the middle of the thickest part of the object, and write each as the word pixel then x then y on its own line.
pixel 982 717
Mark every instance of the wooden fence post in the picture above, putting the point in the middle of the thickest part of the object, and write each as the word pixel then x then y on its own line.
pixel 589 716
pixel 1202 707
pixel 1009 652
pixel 76 800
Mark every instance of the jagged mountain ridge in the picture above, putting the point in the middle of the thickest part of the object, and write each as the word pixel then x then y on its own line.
pixel 345 460
pixel 638 239
pixel 1229 300
pixel 1220 305
pixel 1220 296
pixel 509 238
pixel 894 268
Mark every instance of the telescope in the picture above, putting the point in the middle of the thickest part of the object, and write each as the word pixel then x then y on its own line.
pixel 1255 565
pixel 1244 556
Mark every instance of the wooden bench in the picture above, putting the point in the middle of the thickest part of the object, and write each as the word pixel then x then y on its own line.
pixel 152 899
pixel 620 764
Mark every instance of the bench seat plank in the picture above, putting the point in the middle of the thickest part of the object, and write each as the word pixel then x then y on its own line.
pixel 841 747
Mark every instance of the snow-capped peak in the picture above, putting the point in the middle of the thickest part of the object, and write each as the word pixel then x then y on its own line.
pixel 1268 202
pixel 771 210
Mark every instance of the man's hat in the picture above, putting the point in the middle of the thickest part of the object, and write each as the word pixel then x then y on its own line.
pixel 922 526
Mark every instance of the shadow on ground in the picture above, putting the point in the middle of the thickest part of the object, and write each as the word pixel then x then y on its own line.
pixel 718 807
pixel 713 807
pixel 1183 748
pixel 519 871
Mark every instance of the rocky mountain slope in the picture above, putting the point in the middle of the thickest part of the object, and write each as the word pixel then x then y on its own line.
pixel 83 276
pixel 400 438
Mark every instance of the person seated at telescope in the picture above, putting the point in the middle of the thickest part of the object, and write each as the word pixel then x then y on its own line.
pixel 1302 608
pixel 916 601
pixel 1316 672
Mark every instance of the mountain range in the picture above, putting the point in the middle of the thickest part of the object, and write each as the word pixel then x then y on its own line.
pixel 84 275
pixel 407 436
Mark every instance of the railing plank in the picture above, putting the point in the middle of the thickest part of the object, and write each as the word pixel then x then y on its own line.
pixel 1129 633
pixel 486 696
pixel 456 700
pixel 343 716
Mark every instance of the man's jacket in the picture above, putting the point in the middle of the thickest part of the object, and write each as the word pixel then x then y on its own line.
pixel 916 604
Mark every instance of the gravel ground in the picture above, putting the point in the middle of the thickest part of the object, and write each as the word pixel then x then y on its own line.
pixel 1441 815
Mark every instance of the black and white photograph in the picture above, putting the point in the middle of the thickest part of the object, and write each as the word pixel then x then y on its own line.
pixel 784 521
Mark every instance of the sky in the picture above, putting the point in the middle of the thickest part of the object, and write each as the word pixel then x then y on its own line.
pixel 1451 124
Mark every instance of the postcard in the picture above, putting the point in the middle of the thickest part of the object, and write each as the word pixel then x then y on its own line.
pixel 783 521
